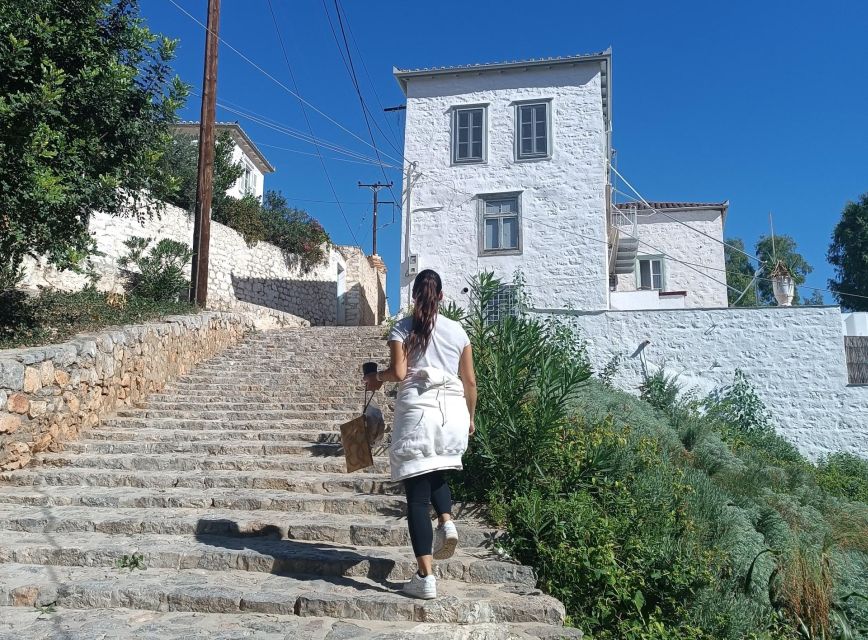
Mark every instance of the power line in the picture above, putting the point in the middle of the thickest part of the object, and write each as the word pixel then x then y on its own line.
pixel 355 81
pixel 307 121
pixel 310 153
pixel 376 94
pixel 292 133
pixel 710 237
pixel 272 78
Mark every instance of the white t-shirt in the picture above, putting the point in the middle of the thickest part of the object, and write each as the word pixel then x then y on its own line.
pixel 448 341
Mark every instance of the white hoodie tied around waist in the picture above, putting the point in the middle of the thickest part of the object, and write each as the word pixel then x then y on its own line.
pixel 431 425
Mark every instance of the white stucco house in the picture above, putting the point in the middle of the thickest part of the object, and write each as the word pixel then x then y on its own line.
pixel 245 152
pixel 508 168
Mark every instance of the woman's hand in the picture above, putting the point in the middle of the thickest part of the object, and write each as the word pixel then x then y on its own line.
pixel 472 427
pixel 371 382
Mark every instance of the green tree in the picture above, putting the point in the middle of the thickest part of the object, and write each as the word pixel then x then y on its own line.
pixel 87 97
pixel 848 253
pixel 180 163
pixel 783 250
pixel 739 274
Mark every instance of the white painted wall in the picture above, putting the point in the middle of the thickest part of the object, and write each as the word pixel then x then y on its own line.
pixel 254 183
pixel 563 198
pixel 238 276
pixel 658 234
pixel 793 356
pixel 631 300
pixel 855 324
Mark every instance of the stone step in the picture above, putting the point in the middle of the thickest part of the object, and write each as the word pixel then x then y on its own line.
pixel 29 623
pixel 224 447
pixel 296 482
pixel 254 553
pixel 342 405
pixel 105 434
pixel 210 424
pixel 122 497
pixel 156 462
pixel 259 592
pixel 264 386
pixel 229 416
pixel 347 529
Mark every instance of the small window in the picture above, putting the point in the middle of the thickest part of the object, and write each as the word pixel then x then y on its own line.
pixel 650 274
pixel 503 305
pixel 501 225
pixel 249 178
pixel 533 130
pixel 468 135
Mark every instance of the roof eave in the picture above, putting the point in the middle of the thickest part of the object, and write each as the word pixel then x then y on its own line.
pixel 403 75
pixel 243 141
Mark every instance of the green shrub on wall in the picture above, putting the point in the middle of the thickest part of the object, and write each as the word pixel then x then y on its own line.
pixel 157 274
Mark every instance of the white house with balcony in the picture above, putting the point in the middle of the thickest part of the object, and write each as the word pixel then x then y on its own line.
pixel 507 168
pixel 245 153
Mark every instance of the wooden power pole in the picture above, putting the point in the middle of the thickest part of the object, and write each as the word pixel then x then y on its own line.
pixel 376 188
pixel 205 180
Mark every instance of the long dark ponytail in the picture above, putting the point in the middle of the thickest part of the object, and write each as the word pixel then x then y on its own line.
pixel 427 289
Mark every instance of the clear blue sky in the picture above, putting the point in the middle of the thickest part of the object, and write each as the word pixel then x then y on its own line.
pixel 761 103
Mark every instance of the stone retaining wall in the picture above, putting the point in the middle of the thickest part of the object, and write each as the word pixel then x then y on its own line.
pixel 794 357
pixel 49 394
pixel 240 277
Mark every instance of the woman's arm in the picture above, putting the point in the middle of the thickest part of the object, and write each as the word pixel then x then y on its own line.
pixel 396 372
pixel 468 379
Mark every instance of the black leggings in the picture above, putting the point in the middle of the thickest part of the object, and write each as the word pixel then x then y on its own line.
pixel 422 492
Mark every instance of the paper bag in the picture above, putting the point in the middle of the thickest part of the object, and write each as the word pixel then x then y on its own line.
pixel 357 448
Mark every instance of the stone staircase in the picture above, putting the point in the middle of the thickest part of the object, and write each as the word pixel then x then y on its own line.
pixel 221 509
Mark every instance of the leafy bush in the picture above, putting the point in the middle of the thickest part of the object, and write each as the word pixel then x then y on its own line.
pixel 245 216
pixel 11 273
pixel 845 476
pixel 663 517
pixel 159 274
pixel 302 239
pixel 527 371
pixel 180 163
pixel 55 316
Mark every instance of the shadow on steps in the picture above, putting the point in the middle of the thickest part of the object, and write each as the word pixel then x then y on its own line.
pixel 313 560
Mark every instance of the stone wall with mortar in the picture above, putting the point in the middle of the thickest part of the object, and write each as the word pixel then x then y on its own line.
pixel 794 357
pixel 50 394
pixel 258 275
pixel 366 285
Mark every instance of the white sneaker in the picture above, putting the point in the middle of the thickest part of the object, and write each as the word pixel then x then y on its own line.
pixel 445 540
pixel 422 588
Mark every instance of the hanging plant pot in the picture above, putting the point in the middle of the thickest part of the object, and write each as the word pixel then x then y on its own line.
pixel 783 285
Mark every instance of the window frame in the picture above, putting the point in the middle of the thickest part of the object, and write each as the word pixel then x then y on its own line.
pixel 453 136
pixel 536 157
pixel 482 200
pixel 503 305
pixel 638 273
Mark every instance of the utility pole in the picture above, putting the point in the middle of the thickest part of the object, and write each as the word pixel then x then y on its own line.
pixel 205 180
pixel 375 188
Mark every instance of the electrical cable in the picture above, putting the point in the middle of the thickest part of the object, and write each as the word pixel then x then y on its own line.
pixel 271 77
pixel 307 121
pixel 355 81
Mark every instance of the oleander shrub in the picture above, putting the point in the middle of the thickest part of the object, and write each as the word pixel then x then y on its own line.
pixel 665 516
pixel 158 272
